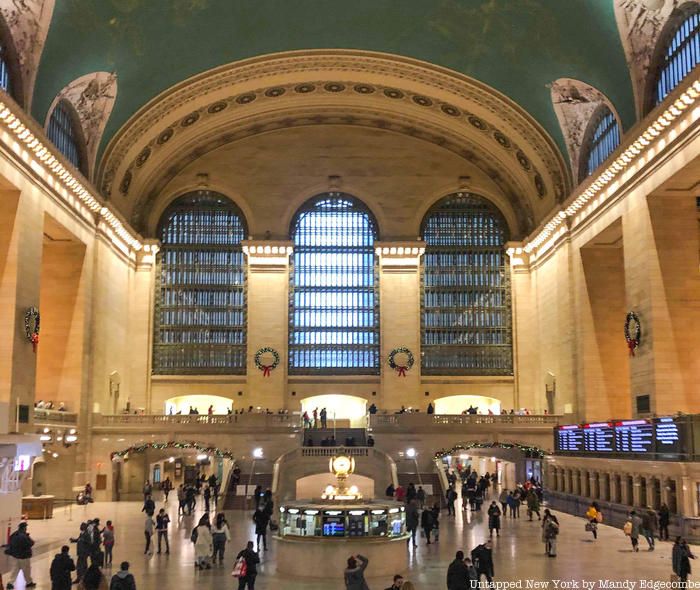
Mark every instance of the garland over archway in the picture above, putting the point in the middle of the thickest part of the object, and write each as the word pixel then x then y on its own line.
pixel 530 451
pixel 178 445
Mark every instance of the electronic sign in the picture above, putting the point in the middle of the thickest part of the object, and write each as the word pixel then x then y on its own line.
pixel 569 438
pixel 634 436
pixel 668 436
pixel 599 437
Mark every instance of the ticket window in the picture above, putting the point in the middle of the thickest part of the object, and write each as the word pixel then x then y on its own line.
pixel 333 523
pixel 397 522
pixel 379 523
pixel 300 523
pixel 358 523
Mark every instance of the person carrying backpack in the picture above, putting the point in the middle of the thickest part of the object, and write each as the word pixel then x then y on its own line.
pixel 550 530
pixel 19 549
pixel 123 580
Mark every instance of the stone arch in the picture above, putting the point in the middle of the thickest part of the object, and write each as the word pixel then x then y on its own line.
pixel 337 87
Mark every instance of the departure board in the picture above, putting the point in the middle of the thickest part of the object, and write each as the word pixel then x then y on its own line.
pixel 599 437
pixel 569 438
pixel 634 436
pixel 668 436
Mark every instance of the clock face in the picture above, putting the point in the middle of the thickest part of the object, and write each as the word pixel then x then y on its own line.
pixel 341 464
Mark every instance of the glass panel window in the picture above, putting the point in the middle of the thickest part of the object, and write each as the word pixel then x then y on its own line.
pixel 200 319
pixel 61 131
pixel 466 308
pixel 680 57
pixel 603 142
pixel 334 317
pixel 4 70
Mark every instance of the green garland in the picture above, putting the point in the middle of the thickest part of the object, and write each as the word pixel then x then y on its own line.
pixel 531 452
pixel 267 369
pixel 183 446
pixel 401 368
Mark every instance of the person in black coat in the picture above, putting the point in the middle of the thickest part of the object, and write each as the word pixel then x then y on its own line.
pixel 149 506
pixel 494 513
pixel 261 519
pixel 482 556
pixel 426 523
pixel 251 560
pixel 19 549
pixel 93 578
pixel 61 568
pixel 458 573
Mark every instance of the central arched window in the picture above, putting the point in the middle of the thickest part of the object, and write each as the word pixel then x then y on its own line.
pixel 64 132
pixel 601 140
pixel 678 52
pixel 466 308
pixel 200 316
pixel 334 307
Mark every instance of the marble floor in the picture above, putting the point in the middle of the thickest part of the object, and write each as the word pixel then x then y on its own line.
pixel 518 553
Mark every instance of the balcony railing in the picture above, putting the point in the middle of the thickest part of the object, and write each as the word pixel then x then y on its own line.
pixel 42 416
pixel 245 420
pixel 333 451
pixel 436 420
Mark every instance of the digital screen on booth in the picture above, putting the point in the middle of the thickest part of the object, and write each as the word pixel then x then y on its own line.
pixel 668 436
pixel 634 436
pixel 569 438
pixel 333 526
pixel 599 437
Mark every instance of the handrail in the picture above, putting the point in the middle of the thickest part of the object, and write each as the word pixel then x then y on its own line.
pixel 460 419
pixel 333 451
pixel 42 416
pixel 246 419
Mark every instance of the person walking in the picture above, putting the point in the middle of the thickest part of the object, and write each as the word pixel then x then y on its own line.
pixel 354 574
pixel 19 549
pixel 190 499
pixel 257 495
pixel 451 496
pixel 167 487
pixel 503 499
pixel 664 521
pixel 650 524
pixel 147 489
pixel 149 506
pixel 148 534
pixel 220 535
pixel 436 520
pixel 60 570
pixel 458 573
pixel 594 516
pixel 181 500
pixel 162 522
pixel 251 560
pixel 108 541
pixel 324 418
pixel 201 536
pixel 494 513
pixel 261 518
pixel 412 520
pixel 680 559
pixel 482 556
pixel 84 549
pixel 123 579
pixel 426 523
pixel 635 527
pixel 420 496
pixel 207 497
pixel 533 504
pixel 550 530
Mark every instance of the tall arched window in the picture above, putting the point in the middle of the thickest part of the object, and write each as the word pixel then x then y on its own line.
pixel 5 72
pixel 678 52
pixel 64 131
pixel 334 308
pixel 601 139
pixel 466 309
pixel 10 70
pixel 200 316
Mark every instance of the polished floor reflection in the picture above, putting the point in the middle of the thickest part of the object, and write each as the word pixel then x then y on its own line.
pixel 518 552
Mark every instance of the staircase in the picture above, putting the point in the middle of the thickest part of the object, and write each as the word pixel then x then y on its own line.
pixel 429 479
pixel 317 435
pixel 234 501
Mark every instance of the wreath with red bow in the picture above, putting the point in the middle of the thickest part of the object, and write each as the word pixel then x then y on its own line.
pixel 403 367
pixel 633 332
pixel 267 368
pixel 31 326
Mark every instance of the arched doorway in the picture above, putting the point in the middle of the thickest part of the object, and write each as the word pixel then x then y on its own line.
pixel 345 410
pixel 458 404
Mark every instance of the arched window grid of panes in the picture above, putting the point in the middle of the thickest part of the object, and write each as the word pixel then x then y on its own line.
pixel 466 324
pixel 63 134
pixel 200 311
pixel 604 140
pixel 681 55
pixel 5 74
pixel 334 295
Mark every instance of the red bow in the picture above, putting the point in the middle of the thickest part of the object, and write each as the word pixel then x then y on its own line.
pixel 632 344
pixel 402 371
pixel 35 341
pixel 267 370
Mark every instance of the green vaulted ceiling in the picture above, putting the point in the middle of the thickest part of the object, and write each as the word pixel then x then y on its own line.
pixel 516 46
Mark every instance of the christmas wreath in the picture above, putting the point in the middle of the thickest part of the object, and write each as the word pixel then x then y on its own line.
pixel 267 368
pixel 633 332
pixel 31 326
pixel 403 367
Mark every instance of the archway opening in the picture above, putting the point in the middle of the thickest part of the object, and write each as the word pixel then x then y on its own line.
pixel 342 410
pixel 459 404
pixel 184 404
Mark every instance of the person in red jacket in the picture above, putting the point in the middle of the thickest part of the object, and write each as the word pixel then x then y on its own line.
pixel 399 493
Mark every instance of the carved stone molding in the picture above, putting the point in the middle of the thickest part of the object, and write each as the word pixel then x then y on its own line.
pixel 356 79
pixel 92 96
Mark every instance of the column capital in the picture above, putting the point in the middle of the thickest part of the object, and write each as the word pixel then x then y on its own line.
pixel 399 256
pixel 267 255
